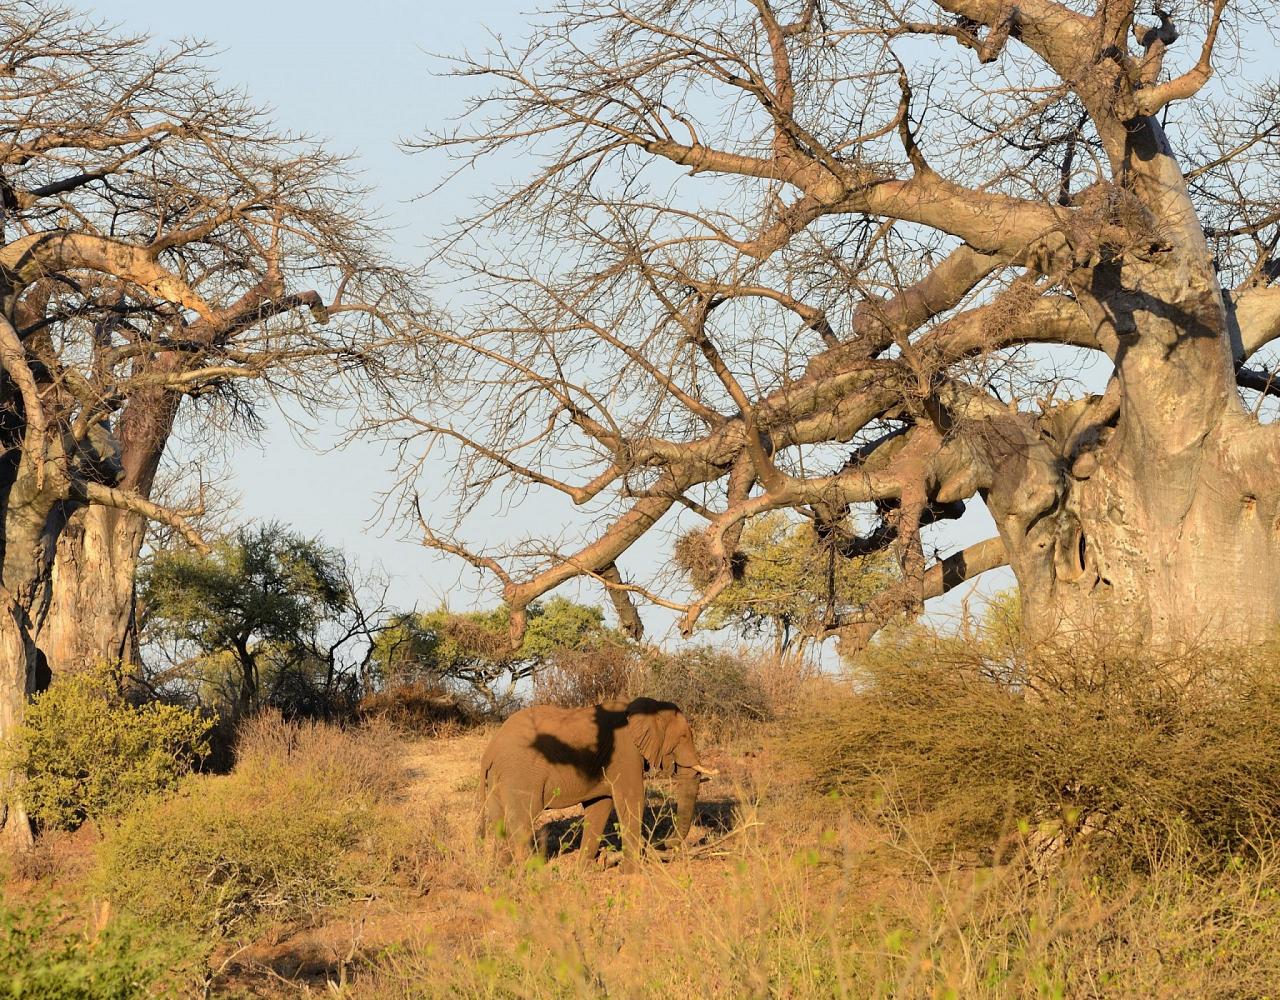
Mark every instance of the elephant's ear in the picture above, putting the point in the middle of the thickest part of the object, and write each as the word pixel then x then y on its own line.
pixel 677 747
pixel 647 732
pixel 655 727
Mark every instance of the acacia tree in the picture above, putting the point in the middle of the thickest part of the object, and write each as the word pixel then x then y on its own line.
pixel 470 649
pixel 799 254
pixel 161 241
pixel 263 596
pixel 787 584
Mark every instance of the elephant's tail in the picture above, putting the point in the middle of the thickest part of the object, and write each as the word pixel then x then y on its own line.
pixel 482 800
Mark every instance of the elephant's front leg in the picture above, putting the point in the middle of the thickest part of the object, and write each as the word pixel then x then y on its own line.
pixel 594 822
pixel 630 822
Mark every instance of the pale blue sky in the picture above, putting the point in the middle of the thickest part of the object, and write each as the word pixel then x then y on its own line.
pixel 361 77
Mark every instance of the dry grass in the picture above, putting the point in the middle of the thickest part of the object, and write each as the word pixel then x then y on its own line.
pixel 868 844
pixel 812 873
pixel 416 710
pixel 1137 755
pixel 808 900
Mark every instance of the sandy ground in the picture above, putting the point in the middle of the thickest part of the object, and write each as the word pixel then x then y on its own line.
pixel 446 771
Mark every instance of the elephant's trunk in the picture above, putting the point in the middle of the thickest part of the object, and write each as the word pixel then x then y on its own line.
pixel 687 781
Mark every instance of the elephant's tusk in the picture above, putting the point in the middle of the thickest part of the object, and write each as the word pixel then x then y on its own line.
pixel 709 772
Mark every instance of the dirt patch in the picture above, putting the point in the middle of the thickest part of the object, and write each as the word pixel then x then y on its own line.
pixel 446 771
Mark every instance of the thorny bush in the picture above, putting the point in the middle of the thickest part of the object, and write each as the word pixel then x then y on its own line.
pixel 1125 752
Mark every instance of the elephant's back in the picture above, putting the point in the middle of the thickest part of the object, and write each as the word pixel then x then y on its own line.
pixel 529 722
pixel 521 729
pixel 575 728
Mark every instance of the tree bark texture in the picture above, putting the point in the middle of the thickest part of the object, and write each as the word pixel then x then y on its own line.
pixel 34 515
pixel 17 678
pixel 90 620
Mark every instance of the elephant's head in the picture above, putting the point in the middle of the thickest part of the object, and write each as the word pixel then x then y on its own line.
pixel 665 739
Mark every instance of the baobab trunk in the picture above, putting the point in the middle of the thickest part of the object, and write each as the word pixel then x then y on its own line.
pixel 91 612
pixel 17 672
pixel 91 620
pixel 1160 522
pixel 33 516
pixel 1156 549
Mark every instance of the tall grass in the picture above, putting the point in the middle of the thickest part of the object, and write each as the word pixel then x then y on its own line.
pixel 837 917
pixel 958 819
pixel 1137 753
pixel 955 819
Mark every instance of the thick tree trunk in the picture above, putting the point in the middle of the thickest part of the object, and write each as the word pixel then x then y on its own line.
pixel 33 517
pixel 90 619
pixel 1157 548
pixel 17 659
pixel 35 507
pixel 91 614
pixel 1152 517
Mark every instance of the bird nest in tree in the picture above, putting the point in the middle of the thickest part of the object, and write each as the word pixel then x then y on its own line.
pixel 694 556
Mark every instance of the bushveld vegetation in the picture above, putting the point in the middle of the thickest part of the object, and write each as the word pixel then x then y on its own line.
pixel 952 815
pixel 229 767
pixel 87 754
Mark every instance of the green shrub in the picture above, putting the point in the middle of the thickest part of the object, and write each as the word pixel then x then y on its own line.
pixel 285 835
pixel 1128 751
pixel 222 857
pixel 87 754
pixel 43 958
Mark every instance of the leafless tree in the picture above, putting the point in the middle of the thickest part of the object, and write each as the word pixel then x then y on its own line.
pixel 161 242
pixel 805 253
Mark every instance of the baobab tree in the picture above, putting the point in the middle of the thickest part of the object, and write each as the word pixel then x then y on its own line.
pixel 804 254
pixel 161 241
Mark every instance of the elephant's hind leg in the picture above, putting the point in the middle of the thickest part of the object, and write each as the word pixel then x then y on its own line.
pixel 492 822
pixel 594 822
pixel 519 812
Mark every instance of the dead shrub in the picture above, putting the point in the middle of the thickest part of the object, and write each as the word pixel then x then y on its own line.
pixel 58 857
pixel 588 676
pixel 430 846
pixel 361 761
pixel 416 709
pixel 1136 752
pixel 718 687
pixel 785 681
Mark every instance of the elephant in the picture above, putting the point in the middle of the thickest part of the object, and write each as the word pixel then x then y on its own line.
pixel 549 757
